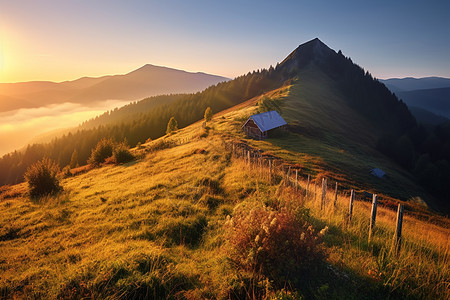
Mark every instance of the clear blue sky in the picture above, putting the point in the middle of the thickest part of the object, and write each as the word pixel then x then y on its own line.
pixel 63 40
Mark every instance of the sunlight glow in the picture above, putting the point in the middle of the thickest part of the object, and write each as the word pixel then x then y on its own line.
pixel 1 60
pixel 20 126
pixel 2 57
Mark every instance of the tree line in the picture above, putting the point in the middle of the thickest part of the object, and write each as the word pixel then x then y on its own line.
pixel 423 151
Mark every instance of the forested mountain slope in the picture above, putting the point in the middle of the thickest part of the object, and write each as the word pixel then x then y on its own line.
pixel 335 102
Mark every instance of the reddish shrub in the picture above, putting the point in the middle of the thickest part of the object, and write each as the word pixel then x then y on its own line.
pixel 271 242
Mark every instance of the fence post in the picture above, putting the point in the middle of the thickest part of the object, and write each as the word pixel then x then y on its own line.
pixel 307 186
pixel 248 157
pixel 398 230
pixel 373 216
pixel 315 188
pixel 296 180
pixel 350 208
pixel 324 193
pixel 260 164
pixel 270 170
pixel 335 195
pixel 288 177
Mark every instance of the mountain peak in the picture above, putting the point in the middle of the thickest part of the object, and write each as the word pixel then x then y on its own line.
pixel 312 51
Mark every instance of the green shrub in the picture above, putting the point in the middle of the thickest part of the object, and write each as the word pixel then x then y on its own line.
pixel 122 154
pixel 102 151
pixel 42 178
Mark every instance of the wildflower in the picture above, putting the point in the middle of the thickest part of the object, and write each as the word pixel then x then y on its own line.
pixel 257 239
pixel 274 222
pixel 323 231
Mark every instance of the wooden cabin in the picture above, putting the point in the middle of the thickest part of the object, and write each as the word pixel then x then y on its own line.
pixel 258 126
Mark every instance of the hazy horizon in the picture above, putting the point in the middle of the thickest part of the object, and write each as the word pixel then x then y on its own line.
pixel 21 126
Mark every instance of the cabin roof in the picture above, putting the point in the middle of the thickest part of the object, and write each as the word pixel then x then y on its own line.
pixel 267 120
pixel 377 172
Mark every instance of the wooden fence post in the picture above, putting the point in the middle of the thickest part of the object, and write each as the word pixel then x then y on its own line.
pixel 260 164
pixel 398 231
pixel 315 188
pixel 307 186
pixel 248 157
pixel 270 170
pixel 373 216
pixel 296 180
pixel 288 177
pixel 350 208
pixel 335 195
pixel 324 193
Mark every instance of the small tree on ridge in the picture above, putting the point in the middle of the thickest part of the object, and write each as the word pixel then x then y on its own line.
pixel 208 114
pixel 172 125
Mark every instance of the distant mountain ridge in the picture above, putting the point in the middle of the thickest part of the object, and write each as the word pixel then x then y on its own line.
pixel 149 80
pixel 411 83
pixel 430 93
pixel 435 100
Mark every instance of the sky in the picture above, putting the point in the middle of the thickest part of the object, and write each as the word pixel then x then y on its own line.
pixel 60 40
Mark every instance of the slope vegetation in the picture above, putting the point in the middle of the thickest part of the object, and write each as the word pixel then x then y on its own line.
pixel 167 226
pixel 327 136
pixel 341 120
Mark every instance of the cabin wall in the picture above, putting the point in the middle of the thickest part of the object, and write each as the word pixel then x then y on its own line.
pixel 253 131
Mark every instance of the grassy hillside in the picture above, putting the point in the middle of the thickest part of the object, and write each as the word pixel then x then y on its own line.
pixel 327 137
pixel 167 224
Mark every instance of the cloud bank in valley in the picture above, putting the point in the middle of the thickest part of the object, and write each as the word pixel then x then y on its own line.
pixel 19 127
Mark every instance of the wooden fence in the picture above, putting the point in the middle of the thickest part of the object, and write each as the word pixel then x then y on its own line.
pixel 277 170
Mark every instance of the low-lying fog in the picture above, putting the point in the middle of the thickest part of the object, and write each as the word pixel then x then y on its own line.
pixel 19 127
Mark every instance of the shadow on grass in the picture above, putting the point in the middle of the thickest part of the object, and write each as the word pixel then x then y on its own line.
pixel 328 281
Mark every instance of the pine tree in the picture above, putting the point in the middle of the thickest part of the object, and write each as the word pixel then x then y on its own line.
pixel 172 125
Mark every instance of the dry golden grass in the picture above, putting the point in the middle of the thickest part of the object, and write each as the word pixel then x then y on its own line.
pixel 154 228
